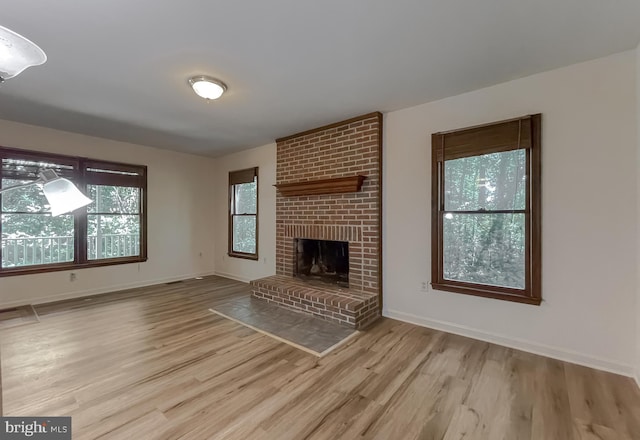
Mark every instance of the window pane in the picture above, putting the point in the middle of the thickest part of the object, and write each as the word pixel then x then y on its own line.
pixel 28 199
pixel 115 199
pixel 491 181
pixel 485 249
pixel 244 234
pixel 246 198
pixel 112 236
pixel 32 239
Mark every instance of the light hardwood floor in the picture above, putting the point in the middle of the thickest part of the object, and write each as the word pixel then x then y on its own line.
pixel 154 363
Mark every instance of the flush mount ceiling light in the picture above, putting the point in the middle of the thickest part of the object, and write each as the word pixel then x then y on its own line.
pixel 17 53
pixel 207 87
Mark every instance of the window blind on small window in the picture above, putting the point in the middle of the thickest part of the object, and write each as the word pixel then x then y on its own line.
pixel 495 138
pixel 242 176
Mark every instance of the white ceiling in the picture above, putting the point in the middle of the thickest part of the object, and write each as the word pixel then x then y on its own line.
pixel 118 68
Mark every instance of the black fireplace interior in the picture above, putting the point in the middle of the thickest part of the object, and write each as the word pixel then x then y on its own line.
pixel 322 260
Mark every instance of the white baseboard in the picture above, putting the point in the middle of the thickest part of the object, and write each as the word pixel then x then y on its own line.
pixel 101 290
pixel 519 344
pixel 232 276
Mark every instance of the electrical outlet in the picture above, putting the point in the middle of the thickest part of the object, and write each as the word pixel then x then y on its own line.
pixel 72 277
pixel 424 286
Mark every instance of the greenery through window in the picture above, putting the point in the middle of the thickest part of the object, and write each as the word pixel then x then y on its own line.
pixel 243 213
pixel 30 235
pixel 483 243
pixel 110 230
pixel 113 222
pixel 486 210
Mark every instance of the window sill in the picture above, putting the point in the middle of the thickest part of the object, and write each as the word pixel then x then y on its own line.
pixel 245 256
pixel 487 293
pixel 30 270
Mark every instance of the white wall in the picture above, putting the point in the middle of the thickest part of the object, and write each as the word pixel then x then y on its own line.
pixel 180 217
pixel 590 238
pixel 263 157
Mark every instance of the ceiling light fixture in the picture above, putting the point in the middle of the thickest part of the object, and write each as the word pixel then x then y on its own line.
pixel 17 53
pixel 207 87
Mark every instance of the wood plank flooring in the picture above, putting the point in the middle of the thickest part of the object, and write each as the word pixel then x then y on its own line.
pixel 154 363
pixel 17 316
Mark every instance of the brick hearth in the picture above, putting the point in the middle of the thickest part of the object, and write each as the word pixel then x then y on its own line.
pixel 346 149
pixel 346 306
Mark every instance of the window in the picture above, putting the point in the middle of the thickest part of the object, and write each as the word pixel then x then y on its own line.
pixel 486 210
pixel 114 219
pixel 111 230
pixel 243 213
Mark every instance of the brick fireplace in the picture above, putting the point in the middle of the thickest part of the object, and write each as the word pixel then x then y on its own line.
pixel 329 188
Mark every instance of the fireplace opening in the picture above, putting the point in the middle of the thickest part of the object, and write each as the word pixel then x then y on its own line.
pixel 322 260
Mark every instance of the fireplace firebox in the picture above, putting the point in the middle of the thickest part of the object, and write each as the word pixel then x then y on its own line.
pixel 326 261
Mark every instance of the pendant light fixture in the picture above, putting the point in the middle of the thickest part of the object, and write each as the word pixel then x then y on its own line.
pixel 63 196
pixel 17 53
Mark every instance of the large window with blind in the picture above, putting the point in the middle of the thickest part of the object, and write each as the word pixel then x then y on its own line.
pixel 111 230
pixel 486 210
pixel 243 213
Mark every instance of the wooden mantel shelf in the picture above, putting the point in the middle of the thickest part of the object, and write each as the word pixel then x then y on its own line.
pixel 325 186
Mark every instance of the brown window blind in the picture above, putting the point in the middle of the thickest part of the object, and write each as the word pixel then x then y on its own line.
pixel 242 176
pixel 485 139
